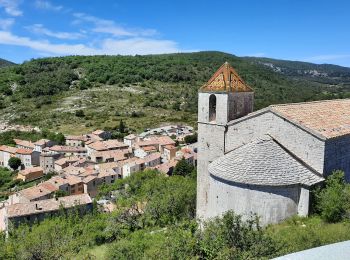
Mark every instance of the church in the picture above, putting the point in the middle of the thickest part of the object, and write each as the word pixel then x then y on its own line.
pixel 264 162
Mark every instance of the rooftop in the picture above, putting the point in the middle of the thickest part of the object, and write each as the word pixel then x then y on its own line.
pixel 38 191
pixel 9 149
pixel 75 137
pixel 24 143
pixel 107 145
pixel 69 149
pixel 263 162
pixel 226 79
pixel 42 142
pixel 329 118
pixel 36 207
pixel 30 170
pixel 24 151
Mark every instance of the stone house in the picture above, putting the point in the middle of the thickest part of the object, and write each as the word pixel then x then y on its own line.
pixel 33 212
pixel 169 152
pixel 67 150
pixel 75 140
pixel 41 144
pixel 142 152
pixel 24 144
pixel 110 156
pixel 26 157
pixel 6 152
pixel 42 191
pixel 102 134
pixel 47 161
pixel 264 162
pixel 108 145
pixel 130 139
pixel 30 174
pixel 152 160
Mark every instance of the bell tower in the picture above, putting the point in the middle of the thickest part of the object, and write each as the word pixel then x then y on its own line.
pixel 223 98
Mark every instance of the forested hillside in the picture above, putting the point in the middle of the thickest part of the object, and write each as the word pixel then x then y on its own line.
pixel 5 63
pixel 154 88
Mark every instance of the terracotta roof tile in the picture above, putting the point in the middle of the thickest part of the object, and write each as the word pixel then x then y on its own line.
pixel 330 118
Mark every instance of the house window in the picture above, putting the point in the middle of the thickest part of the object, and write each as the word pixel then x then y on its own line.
pixel 212 108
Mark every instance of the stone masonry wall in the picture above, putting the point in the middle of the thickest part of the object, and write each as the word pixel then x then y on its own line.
pixel 337 156
pixel 305 146
pixel 271 204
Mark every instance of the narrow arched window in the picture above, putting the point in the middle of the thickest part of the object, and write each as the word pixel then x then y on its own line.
pixel 212 108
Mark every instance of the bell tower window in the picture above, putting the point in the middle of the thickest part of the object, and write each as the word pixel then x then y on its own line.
pixel 212 108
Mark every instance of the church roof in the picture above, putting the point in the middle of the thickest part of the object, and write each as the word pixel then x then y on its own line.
pixel 330 118
pixel 226 79
pixel 263 162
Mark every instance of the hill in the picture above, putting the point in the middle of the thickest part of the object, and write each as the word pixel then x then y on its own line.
pixel 5 63
pixel 153 89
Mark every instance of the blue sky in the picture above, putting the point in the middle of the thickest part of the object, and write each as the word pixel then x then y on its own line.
pixel 311 30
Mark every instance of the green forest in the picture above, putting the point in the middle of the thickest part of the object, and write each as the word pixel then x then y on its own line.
pixel 155 218
pixel 154 88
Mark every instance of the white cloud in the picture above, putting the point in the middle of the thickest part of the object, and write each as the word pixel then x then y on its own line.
pixel 138 46
pixel 40 29
pixel 8 38
pixel 328 57
pixel 11 7
pixel 107 46
pixel 5 24
pixel 110 27
pixel 41 4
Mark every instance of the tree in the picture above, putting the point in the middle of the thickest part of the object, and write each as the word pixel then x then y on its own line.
pixel 60 139
pixel 121 126
pixel 14 163
pixel 190 139
pixel 79 113
pixel 333 201
pixel 183 168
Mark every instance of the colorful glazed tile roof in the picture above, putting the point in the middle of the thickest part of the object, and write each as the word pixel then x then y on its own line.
pixel 226 79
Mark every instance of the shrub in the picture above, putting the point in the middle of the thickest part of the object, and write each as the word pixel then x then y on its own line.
pixel 79 113
pixel 183 168
pixel 14 163
pixel 333 201
pixel 190 139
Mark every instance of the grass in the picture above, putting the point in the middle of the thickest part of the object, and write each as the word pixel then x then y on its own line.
pixel 297 234
pixel 97 252
pixel 103 107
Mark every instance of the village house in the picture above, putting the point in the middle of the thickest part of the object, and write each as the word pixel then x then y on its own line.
pixel 152 160
pixel 102 134
pixel 169 152
pixel 188 154
pixel 30 174
pixel 41 144
pixel 24 144
pixel 130 139
pixel 143 151
pixel 6 152
pixel 166 168
pixel 33 212
pixel 101 146
pixel 26 157
pixel 67 150
pixel 42 191
pixel 110 156
pixel 65 162
pixel 47 161
pixel 75 140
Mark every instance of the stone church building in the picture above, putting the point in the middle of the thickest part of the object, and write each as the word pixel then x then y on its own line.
pixel 264 162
